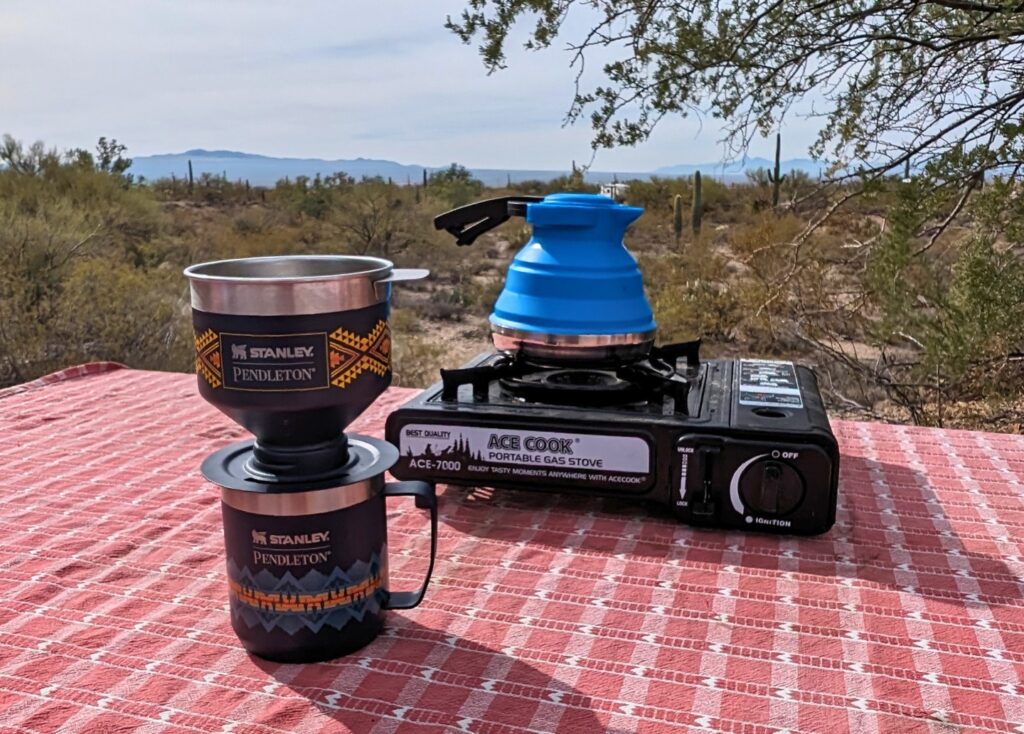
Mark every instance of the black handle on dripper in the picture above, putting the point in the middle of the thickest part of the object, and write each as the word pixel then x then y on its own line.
pixel 469 222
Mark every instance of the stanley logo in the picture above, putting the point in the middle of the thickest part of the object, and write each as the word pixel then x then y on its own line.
pixel 261 537
pixel 242 352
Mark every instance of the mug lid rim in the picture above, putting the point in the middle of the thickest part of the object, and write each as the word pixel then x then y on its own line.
pixel 225 469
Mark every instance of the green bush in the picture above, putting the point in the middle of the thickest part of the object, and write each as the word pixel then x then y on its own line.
pixel 58 213
pixel 657 195
pixel 112 311
pixel 977 327
pixel 691 296
pixel 454 185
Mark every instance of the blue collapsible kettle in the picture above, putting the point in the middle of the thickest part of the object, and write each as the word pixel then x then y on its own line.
pixel 573 294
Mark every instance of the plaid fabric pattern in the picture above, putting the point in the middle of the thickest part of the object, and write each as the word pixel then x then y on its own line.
pixel 546 613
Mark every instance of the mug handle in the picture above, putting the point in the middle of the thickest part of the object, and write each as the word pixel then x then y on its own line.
pixel 426 498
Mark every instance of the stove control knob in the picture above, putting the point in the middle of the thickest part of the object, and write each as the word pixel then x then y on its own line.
pixel 770 487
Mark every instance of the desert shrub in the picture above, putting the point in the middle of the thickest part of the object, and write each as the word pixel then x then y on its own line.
pixel 532 187
pixel 478 294
pixel 454 185
pixel 690 295
pixel 112 311
pixel 57 213
pixel 436 251
pixel 764 245
pixel 898 281
pixel 574 181
pixel 375 218
pixel 794 183
pixel 657 196
pixel 218 190
pixel 980 322
pixel 405 321
pixel 416 360
pixel 312 197
pixel 517 233
pixel 252 220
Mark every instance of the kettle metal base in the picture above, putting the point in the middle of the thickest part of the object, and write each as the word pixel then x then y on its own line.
pixel 562 349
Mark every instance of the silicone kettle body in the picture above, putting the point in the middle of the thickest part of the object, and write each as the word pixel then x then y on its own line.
pixel 573 293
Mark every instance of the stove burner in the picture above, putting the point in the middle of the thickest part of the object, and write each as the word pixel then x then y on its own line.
pixel 582 378
pixel 634 382
pixel 579 387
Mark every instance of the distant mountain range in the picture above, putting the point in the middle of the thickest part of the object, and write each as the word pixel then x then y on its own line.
pixel 261 170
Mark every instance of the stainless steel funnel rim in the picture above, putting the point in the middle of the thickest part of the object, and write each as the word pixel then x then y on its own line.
pixel 220 271
pixel 290 285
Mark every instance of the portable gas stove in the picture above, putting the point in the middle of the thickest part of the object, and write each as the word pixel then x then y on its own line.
pixel 578 398
pixel 723 443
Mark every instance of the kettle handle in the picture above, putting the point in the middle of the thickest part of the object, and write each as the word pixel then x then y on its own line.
pixel 466 223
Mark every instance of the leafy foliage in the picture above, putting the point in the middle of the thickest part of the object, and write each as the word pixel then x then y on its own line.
pixel 68 230
pixel 927 81
pixel 980 323
pixel 375 219
pixel 454 185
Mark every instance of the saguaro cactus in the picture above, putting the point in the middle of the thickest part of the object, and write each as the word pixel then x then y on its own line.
pixel 677 217
pixel 776 176
pixel 191 181
pixel 697 211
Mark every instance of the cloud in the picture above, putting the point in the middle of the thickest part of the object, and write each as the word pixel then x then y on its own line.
pixel 410 44
pixel 324 78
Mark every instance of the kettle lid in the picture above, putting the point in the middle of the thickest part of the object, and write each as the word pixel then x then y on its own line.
pixel 581 210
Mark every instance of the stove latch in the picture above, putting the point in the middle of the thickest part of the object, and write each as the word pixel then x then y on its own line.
pixel 704 502
pixel 697 465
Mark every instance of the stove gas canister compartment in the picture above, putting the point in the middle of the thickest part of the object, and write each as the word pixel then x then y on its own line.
pixel 514 456
pixel 755 485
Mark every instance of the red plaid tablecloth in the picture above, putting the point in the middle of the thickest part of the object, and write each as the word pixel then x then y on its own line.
pixel 545 614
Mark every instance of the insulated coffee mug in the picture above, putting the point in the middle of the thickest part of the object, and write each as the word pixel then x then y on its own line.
pixel 308 571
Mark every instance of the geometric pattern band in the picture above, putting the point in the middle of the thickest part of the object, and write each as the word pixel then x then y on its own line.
pixel 208 362
pixel 352 354
pixel 298 602
pixel 310 601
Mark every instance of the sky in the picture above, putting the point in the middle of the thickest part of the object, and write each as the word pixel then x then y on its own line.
pixel 320 79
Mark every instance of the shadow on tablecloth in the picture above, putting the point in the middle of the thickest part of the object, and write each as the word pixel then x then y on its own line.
pixel 430 678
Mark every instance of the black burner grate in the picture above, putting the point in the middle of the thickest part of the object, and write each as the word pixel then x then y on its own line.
pixel 642 381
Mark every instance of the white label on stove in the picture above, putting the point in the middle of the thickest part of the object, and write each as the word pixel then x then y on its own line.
pixel 569 451
pixel 766 383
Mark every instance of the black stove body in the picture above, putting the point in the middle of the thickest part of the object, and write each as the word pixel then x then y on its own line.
pixel 740 444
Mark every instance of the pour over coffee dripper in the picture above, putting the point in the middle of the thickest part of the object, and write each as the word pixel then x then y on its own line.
pixel 294 349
